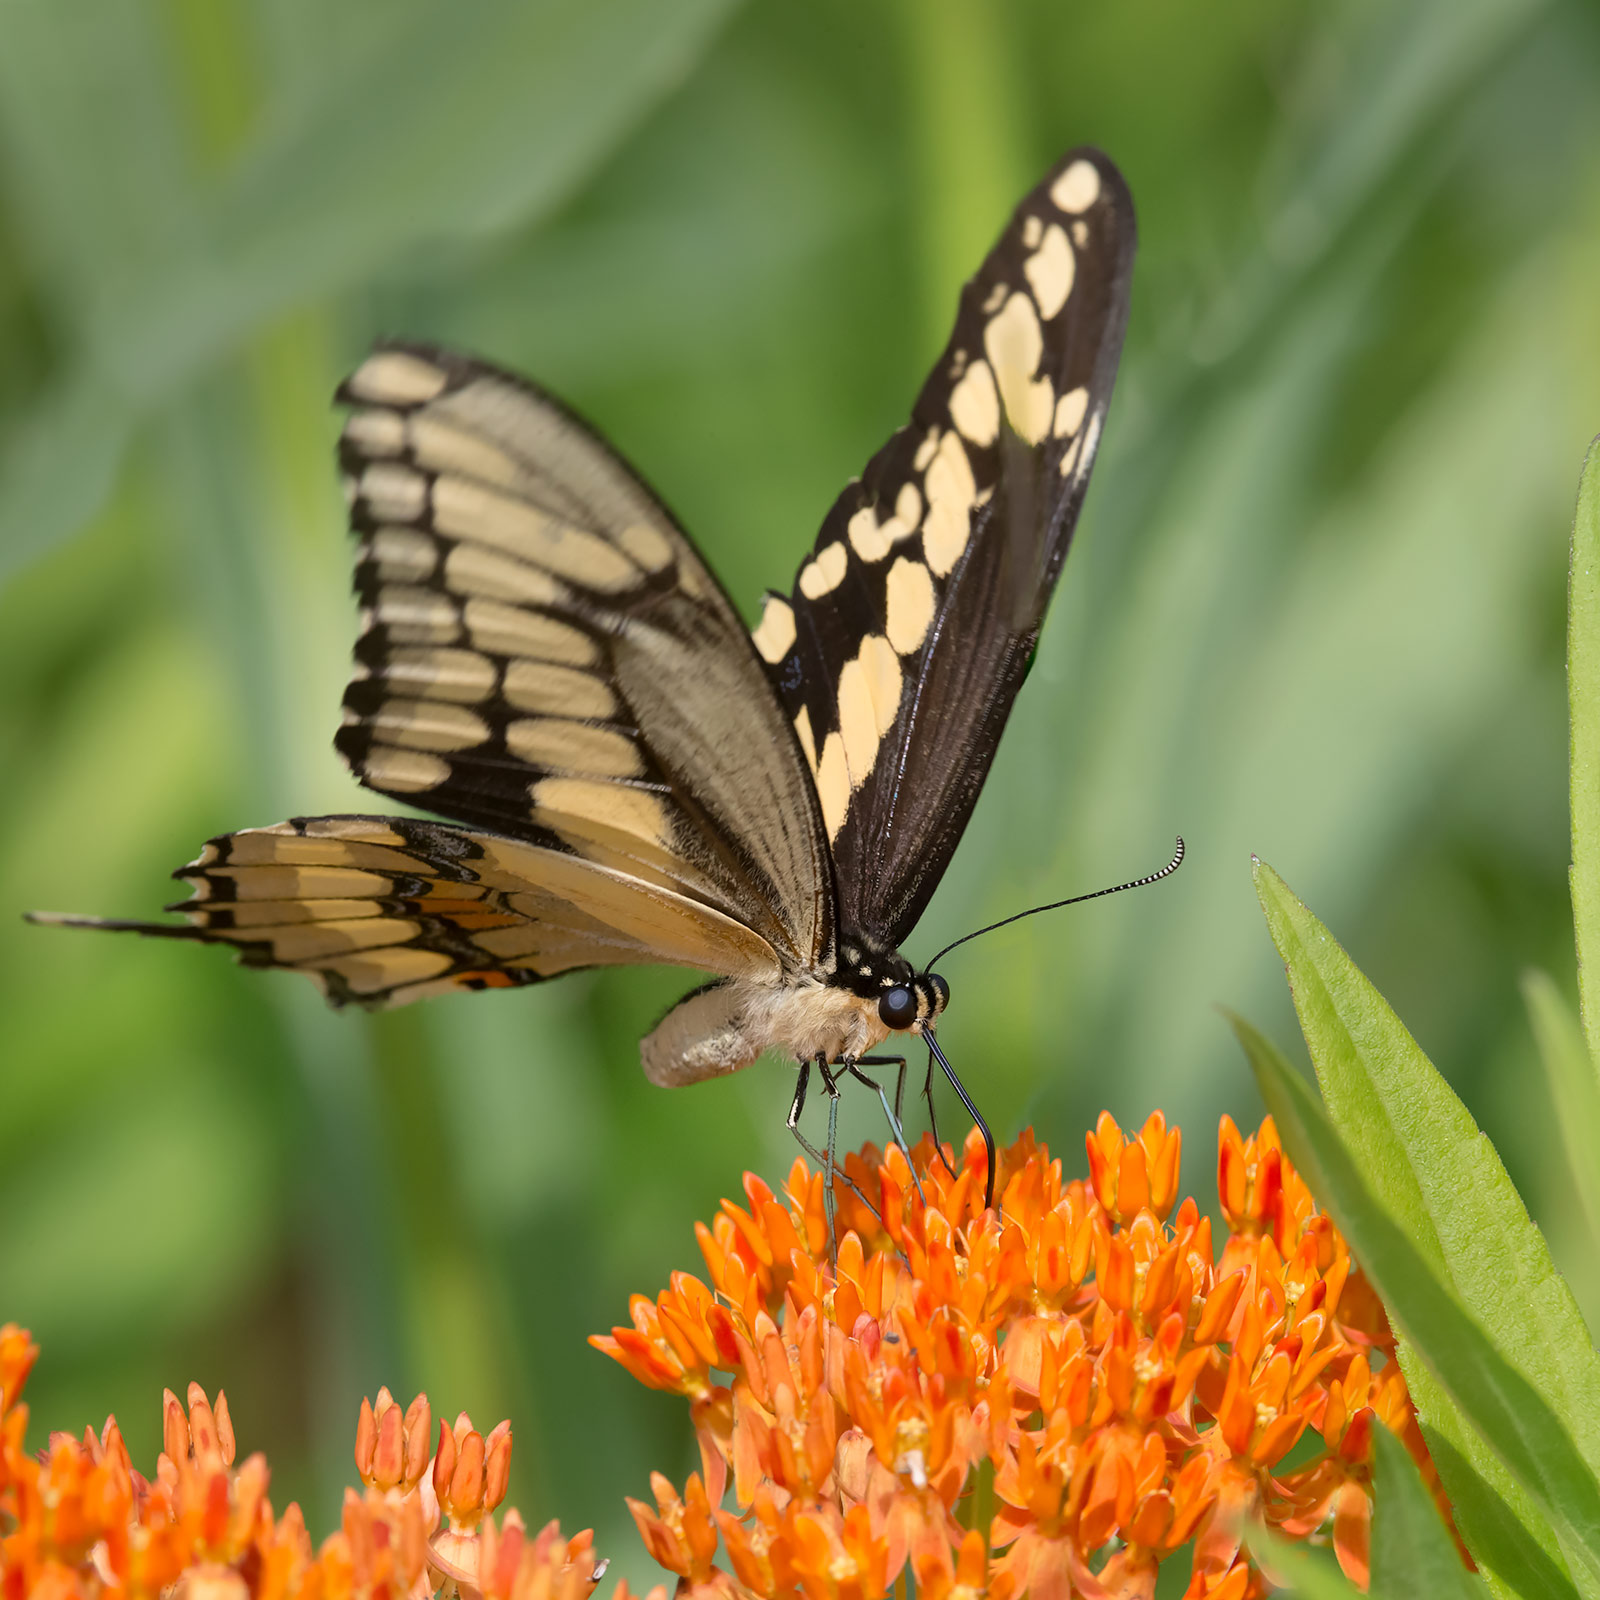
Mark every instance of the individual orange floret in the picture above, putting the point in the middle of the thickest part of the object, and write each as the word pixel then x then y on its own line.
pixel 964 1577
pixel 676 1340
pixel 785 1420
pixel 801 1548
pixel 1260 1192
pixel 680 1533
pixel 382 1543
pixel 470 1472
pixel 1130 1176
pixel 391 1445
pixel 214 1512
pixel 511 1566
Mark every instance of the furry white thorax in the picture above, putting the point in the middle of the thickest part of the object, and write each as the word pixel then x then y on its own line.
pixel 806 1019
pixel 721 1029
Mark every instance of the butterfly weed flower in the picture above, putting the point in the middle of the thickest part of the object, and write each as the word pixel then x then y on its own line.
pixel 79 1522
pixel 1051 1397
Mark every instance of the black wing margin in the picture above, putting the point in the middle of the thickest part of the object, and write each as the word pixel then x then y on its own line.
pixel 909 630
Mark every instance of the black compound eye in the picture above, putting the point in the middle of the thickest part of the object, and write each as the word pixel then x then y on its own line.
pixel 898 1007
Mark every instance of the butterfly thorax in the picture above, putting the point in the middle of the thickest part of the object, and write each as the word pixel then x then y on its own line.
pixel 870 993
pixel 838 1014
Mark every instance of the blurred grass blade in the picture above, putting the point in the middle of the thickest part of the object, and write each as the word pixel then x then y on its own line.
pixel 1574 1088
pixel 1506 1410
pixel 58 467
pixel 1403 73
pixel 1431 1168
pixel 1583 700
pixel 1412 1551
pixel 473 122
pixel 451 124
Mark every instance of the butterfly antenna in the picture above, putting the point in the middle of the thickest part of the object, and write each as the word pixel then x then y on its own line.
pixel 1055 905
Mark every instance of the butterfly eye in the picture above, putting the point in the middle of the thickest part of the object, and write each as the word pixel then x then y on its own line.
pixel 898 1007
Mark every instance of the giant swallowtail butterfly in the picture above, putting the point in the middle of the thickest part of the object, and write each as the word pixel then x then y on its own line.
pixel 631 775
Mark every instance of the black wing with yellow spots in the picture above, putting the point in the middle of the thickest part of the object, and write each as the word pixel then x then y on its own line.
pixel 903 644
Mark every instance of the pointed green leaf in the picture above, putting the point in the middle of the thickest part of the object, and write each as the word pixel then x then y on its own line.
pixel 1574 1088
pixel 1504 1408
pixel 1412 1551
pixel 1431 1168
pixel 1583 703
pixel 1512 1560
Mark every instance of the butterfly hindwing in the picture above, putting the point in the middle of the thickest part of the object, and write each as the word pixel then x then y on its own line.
pixel 909 630
pixel 380 911
pixel 545 654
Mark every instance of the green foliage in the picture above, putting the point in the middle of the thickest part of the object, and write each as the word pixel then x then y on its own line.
pixel 1583 698
pixel 1412 1551
pixel 1511 1422
pixel 1314 610
pixel 1574 1086
pixel 1500 1364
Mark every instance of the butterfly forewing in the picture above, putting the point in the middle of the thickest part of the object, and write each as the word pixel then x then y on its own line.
pixel 908 632
pixel 545 654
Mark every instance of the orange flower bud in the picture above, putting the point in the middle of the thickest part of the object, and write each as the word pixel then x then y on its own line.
pixel 470 1473
pixel 18 1353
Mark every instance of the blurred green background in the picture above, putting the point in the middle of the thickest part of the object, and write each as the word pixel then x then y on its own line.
pixel 1315 612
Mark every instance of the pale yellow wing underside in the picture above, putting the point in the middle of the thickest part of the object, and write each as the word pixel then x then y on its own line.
pixel 381 911
pixel 545 654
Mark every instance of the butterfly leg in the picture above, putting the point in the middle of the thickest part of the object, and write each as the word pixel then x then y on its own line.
pixel 833 1167
pixel 893 1116
pixel 899 1085
pixel 824 1162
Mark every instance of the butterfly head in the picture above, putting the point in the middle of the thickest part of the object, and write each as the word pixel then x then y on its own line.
pixel 907 1000
pixel 915 1004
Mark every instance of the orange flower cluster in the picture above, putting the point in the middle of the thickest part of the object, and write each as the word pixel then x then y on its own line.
pixel 79 1521
pixel 1048 1398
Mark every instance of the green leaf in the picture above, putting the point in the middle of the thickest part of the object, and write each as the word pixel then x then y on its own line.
pixel 1294 1569
pixel 1438 1176
pixel 1512 1560
pixel 1431 1168
pixel 1574 1088
pixel 1509 1413
pixel 1583 703
pixel 1412 1551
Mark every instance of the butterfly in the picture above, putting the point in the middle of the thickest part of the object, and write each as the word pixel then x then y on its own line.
pixel 630 774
